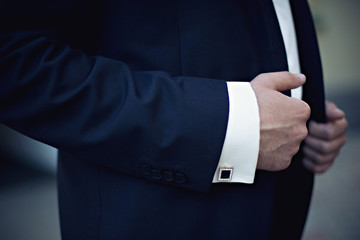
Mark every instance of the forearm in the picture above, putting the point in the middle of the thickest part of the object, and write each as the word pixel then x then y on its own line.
pixel 99 110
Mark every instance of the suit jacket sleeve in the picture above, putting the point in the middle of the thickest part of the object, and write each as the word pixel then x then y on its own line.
pixel 101 111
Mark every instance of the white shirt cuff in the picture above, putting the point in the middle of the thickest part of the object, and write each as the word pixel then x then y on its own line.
pixel 241 146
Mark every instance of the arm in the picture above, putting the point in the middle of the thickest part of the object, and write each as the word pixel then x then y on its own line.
pixel 98 110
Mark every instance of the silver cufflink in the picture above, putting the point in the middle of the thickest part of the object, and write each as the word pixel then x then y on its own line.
pixel 225 173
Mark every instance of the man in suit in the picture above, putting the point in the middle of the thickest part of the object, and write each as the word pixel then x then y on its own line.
pixel 171 118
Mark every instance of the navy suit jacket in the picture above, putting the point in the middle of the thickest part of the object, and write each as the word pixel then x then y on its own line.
pixel 133 94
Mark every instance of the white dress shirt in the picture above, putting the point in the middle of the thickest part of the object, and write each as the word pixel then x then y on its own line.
pixel 241 146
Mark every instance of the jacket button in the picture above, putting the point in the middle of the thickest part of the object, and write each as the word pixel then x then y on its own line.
pixel 180 178
pixel 155 174
pixel 168 176
pixel 145 169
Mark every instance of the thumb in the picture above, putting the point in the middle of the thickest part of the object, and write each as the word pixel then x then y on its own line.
pixel 281 81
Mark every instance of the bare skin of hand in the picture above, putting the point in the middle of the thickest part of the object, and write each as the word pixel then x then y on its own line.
pixel 282 119
pixel 324 141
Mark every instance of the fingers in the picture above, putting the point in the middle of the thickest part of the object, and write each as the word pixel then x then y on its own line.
pixel 318 158
pixel 325 146
pixel 280 81
pixel 320 154
pixel 325 140
pixel 333 112
pixel 330 130
pixel 316 168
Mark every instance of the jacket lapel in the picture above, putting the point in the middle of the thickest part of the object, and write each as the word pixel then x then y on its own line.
pixel 313 91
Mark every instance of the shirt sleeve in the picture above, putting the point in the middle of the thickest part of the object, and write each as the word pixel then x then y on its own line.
pixel 240 151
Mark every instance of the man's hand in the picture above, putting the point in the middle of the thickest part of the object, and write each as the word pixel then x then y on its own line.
pixel 282 119
pixel 325 140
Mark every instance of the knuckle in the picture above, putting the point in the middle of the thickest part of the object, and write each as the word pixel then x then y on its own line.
pixel 305 132
pixel 319 158
pixel 304 109
pixel 285 163
pixel 281 163
pixel 295 150
pixel 307 111
pixel 316 158
pixel 328 133
pixel 323 147
pixel 323 168
pixel 316 167
pixel 292 152
pixel 302 133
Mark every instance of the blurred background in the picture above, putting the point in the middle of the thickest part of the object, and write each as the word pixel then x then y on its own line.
pixel 28 200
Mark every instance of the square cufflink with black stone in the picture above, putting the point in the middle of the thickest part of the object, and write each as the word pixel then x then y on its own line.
pixel 225 174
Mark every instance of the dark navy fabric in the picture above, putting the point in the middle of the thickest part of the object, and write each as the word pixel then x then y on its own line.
pixel 133 95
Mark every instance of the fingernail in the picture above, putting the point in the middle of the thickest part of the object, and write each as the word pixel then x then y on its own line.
pixel 301 76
